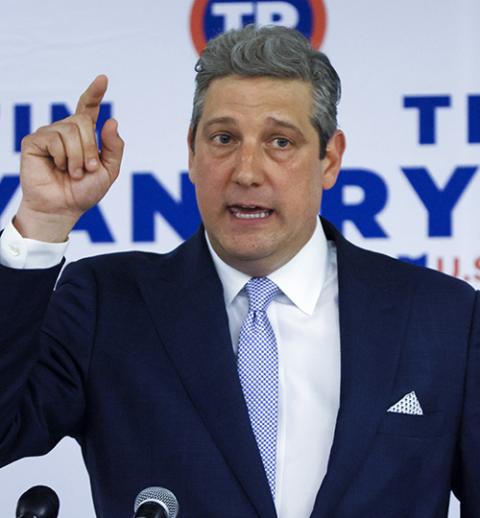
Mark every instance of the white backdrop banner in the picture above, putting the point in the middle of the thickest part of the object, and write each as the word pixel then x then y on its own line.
pixel 410 184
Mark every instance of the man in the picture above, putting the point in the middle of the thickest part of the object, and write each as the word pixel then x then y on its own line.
pixel 266 367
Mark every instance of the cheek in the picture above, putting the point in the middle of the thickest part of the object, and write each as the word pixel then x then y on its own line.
pixel 301 181
pixel 206 195
pixel 209 190
pixel 209 172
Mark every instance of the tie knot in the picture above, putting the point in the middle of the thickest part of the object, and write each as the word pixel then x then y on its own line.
pixel 261 291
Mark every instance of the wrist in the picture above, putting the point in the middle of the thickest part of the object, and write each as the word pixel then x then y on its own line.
pixel 49 228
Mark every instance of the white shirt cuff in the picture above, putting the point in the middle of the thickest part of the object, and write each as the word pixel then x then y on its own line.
pixel 28 254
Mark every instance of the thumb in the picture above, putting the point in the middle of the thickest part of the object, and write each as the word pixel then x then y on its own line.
pixel 112 148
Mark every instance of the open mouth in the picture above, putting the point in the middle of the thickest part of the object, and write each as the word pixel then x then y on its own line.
pixel 249 211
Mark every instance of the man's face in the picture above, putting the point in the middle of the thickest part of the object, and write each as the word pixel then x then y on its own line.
pixel 257 171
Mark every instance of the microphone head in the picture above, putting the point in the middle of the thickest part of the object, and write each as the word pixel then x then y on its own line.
pixel 160 495
pixel 39 502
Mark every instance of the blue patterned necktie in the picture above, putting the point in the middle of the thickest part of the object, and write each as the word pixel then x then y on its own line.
pixel 257 362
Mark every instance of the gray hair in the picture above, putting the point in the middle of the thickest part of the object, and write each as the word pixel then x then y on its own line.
pixel 271 51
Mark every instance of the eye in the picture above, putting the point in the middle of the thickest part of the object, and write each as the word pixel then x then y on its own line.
pixel 222 139
pixel 281 142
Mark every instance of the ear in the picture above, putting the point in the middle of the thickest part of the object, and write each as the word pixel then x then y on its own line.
pixel 333 159
pixel 191 156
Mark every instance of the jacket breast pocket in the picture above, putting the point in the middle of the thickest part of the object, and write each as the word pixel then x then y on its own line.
pixel 420 426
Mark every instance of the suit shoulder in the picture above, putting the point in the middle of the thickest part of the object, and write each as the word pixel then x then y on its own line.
pixel 187 263
pixel 130 259
pixel 423 277
pixel 119 266
pixel 375 266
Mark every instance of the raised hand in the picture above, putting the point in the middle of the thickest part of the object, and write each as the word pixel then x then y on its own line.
pixel 62 174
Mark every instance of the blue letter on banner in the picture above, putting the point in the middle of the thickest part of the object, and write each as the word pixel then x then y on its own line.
pixel 426 105
pixel 439 202
pixel 474 119
pixel 361 214
pixel 95 225
pixel 150 198
pixel 22 116
pixel 8 186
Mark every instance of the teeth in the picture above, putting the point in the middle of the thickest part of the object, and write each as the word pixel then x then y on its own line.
pixel 251 215
pixel 247 215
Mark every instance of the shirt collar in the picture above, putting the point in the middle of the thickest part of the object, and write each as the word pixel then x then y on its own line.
pixel 301 279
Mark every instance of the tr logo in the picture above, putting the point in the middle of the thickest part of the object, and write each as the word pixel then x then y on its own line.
pixel 211 17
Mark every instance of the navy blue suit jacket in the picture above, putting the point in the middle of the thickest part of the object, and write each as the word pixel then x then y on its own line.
pixel 132 357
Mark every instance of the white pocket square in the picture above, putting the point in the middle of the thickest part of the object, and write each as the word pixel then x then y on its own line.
pixel 409 404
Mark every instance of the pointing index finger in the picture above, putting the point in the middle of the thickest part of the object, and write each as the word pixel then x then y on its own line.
pixel 89 102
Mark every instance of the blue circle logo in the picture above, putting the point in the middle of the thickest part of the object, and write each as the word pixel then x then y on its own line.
pixel 209 18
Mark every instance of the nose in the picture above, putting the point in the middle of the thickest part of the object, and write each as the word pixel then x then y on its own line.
pixel 248 168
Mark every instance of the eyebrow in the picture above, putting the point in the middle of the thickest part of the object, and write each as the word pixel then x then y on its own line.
pixel 273 121
pixel 284 124
pixel 220 120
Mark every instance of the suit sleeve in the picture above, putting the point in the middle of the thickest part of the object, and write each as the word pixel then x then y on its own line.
pixel 466 476
pixel 45 347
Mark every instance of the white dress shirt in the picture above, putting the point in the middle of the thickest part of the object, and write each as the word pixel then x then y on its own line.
pixel 306 326
pixel 22 253
pixel 305 321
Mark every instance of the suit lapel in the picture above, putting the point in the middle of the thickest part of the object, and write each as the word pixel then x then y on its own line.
pixel 373 316
pixel 187 306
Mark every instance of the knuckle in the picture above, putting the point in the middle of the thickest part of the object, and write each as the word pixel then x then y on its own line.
pixel 25 142
pixel 82 119
pixel 71 129
pixel 58 123
pixel 54 141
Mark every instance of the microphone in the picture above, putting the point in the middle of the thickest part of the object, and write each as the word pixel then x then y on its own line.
pixel 155 502
pixel 38 502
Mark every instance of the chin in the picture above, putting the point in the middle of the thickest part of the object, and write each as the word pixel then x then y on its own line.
pixel 248 248
pixel 256 263
pixel 243 248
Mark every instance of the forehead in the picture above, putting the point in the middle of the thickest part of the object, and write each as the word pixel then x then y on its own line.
pixel 258 97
